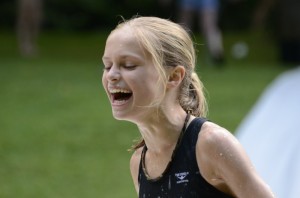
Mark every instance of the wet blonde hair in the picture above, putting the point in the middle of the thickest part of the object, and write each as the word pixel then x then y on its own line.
pixel 169 44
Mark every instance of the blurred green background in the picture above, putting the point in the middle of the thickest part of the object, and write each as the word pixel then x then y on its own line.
pixel 57 135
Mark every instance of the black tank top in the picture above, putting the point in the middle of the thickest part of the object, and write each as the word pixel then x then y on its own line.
pixel 182 177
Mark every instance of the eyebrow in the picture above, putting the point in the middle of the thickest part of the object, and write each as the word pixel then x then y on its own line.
pixel 123 57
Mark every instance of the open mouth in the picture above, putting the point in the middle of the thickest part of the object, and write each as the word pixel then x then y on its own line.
pixel 120 95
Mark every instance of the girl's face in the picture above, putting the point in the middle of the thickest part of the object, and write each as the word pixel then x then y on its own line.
pixel 129 77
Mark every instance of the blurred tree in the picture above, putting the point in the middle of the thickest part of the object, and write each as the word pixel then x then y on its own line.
pixel 7 13
pixel 286 26
pixel 99 14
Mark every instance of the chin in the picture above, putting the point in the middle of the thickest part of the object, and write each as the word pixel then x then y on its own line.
pixel 133 118
pixel 120 116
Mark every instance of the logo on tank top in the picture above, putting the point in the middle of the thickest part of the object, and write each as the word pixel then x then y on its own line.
pixel 181 177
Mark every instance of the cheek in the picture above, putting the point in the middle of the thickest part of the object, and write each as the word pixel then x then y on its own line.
pixel 104 81
pixel 149 90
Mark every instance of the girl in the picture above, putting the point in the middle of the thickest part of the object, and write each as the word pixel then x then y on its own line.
pixel 150 80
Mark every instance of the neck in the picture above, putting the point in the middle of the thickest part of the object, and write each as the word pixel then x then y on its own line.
pixel 161 132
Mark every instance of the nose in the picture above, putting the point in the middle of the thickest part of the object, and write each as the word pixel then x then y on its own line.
pixel 113 75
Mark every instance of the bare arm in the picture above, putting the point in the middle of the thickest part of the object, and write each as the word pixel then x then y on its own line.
pixel 134 168
pixel 224 164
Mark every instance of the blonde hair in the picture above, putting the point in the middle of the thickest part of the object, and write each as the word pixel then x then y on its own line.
pixel 169 44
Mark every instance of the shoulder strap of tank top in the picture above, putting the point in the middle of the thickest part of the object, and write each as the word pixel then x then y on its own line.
pixel 193 129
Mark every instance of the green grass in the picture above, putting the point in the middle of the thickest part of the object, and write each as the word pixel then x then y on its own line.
pixel 57 134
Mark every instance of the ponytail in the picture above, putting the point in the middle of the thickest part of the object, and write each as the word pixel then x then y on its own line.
pixel 192 98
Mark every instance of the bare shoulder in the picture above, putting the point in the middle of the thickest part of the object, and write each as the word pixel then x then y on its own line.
pixel 134 167
pixel 135 159
pixel 217 143
pixel 215 147
pixel 224 163
pixel 215 136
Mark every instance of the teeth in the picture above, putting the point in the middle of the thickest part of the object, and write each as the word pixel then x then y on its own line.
pixel 119 91
pixel 119 102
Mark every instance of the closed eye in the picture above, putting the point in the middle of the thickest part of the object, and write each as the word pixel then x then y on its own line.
pixel 130 67
pixel 106 68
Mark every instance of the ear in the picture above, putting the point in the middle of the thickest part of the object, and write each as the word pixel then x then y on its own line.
pixel 176 75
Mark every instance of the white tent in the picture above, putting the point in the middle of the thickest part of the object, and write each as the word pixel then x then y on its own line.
pixel 270 133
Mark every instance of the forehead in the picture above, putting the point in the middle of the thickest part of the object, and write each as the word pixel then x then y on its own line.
pixel 124 34
pixel 123 40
